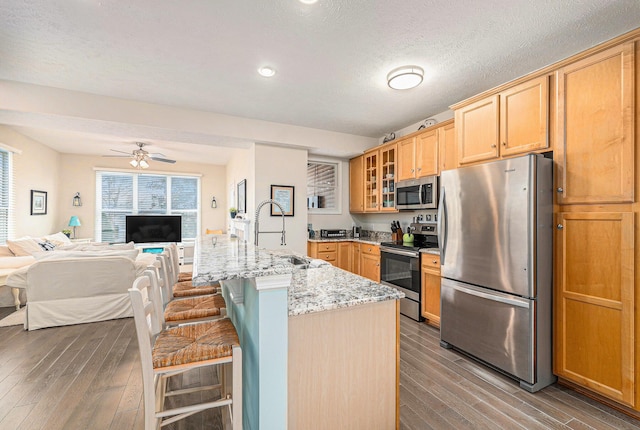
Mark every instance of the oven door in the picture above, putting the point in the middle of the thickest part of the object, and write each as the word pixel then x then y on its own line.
pixel 401 269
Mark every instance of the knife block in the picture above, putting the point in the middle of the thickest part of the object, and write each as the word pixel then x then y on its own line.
pixel 397 236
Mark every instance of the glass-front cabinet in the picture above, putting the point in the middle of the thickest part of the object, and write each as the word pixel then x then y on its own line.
pixel 379 178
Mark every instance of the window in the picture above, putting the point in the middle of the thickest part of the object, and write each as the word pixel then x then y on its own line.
pixel 323 187
pixel 6 206
pixel 122 194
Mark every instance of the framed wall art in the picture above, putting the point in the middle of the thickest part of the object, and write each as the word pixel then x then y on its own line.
pixel 283 194
pixel 242 196
pixel 38 202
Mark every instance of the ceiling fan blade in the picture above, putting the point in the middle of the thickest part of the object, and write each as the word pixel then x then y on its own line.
pixel 164 160
pixel 118 156
pixel 123 152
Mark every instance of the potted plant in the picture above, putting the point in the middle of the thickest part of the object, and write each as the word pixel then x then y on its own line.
pixel 66 232
pixel 233 212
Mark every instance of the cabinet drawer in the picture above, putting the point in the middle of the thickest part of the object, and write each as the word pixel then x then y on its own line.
pixel 327 256
pixel 327 246
pixel 369 249
pixel 431 261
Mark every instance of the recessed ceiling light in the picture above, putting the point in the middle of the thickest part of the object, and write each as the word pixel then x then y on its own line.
pixel 266 71
pixel 405 77
pixel 308 1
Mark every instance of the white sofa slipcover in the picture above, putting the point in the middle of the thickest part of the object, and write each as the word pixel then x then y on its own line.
pixel 78 290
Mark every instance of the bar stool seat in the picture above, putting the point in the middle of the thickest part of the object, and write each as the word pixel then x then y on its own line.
pixel 185 276
pixel 186 289
pixel 194 308
pixel 194 343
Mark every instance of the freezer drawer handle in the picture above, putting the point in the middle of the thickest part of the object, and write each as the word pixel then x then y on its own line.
pixel 495 298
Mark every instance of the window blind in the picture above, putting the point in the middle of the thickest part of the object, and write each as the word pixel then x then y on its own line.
pixel 6 196
pixel 125 194
pixel 321 183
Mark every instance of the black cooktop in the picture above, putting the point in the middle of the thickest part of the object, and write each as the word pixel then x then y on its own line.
pixel 413 246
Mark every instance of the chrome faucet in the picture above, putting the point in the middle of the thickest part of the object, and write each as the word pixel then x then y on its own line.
pixel 262 203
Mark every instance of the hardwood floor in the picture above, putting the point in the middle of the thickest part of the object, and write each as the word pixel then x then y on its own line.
pixel 88 377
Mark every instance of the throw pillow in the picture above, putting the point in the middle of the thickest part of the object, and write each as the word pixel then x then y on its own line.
pixel 24 246
pixel 58 238
pixel 47 246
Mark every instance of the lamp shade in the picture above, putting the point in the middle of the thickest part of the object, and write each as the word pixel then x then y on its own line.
pixel 74 222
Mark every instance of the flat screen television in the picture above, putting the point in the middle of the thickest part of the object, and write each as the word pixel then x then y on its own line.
pixel 153 228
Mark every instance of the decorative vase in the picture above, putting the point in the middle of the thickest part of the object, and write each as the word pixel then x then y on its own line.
pixel 233 214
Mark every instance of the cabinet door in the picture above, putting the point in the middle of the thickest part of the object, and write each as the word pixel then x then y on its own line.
pixel 370 266
pixel 356 184
pixel 427 153
pixel 355 258
pixel 371 174
pixel 447 149
pixel 594 150
pixel 388 158
pixel 344 255
pixel 407 159
pixel 477 131
pixel 594 315
pixel 524 117
pixel 431 289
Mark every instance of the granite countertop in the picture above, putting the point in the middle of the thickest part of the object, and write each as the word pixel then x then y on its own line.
pixel 344 239
pixel 318 288
pixel 435 251
pixel 328 287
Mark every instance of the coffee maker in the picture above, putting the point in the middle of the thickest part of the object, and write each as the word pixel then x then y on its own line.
pixel 356 232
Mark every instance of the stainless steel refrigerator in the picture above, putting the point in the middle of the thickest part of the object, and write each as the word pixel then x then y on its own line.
pixel 495 232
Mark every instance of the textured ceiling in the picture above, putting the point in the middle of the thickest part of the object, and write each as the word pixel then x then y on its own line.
pixel 331 58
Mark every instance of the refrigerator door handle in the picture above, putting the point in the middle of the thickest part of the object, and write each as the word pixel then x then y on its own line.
pixel 442 225
pixel 494 297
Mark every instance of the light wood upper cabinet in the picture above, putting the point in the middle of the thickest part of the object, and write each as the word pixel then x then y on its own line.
pixel 524 117
pixel 406 159
pixel 427 153
pixel 380 174
pixel 477 130
pixel 356 184
pixel 595 135
pixel 594 302
pixel 515 121
pixel 447 149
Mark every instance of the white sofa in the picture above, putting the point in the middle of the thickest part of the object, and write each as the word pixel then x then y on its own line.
pixel 74 287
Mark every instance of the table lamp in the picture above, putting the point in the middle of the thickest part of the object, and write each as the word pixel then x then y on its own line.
pixel 74 222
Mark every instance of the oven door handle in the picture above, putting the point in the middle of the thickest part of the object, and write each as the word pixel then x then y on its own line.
pixel 399 252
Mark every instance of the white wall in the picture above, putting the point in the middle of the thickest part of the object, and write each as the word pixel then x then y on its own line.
pixel 282 166
pixel 77 174
pixel 36 168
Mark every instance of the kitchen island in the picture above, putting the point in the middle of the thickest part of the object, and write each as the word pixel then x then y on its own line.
pixel 320 345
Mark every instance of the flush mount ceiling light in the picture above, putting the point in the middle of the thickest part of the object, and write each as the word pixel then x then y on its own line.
pixel 405 77
pixel 267 71
pixel 308 1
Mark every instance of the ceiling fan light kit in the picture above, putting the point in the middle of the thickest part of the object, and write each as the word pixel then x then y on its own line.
pixel 140 158
pixel 405 77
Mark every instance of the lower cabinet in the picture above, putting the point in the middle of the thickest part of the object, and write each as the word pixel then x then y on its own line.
pixel 344 256
pixel 355 257
pixel 360 258
pixel 431 288
pixel 370 261
pixel 594 303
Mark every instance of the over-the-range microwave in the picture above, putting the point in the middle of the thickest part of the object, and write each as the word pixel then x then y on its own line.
pixel 421 193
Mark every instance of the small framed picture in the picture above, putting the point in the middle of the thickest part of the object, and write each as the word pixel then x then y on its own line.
pixel 38 202
pixel 242 196
pixel 284 195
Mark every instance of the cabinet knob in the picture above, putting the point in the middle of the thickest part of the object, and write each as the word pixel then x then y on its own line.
pixel 559 226
pixel 413 170
pixel 419 169
pixel 435 261
pixel 560 189
pixel 493 145
pixel 504 143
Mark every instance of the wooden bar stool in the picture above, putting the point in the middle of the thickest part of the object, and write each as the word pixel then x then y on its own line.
pixel 173 351
pixel 185 288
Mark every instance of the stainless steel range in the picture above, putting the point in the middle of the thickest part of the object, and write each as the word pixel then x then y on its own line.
pixel 400 266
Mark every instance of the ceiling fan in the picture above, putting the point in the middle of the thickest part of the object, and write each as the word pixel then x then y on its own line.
pixel 140 157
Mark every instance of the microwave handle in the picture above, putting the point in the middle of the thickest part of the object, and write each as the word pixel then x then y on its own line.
pixel 421 194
